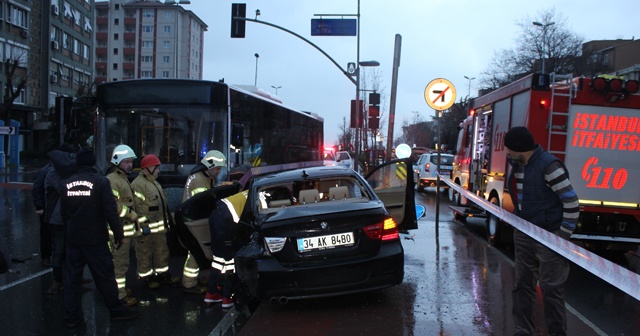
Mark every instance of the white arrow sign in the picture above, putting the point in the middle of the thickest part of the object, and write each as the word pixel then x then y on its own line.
pixel 7 130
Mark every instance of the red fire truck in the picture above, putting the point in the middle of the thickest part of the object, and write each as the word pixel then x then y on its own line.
pixel 592 124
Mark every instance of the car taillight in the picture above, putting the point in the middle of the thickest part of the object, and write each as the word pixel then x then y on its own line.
pixel 387 230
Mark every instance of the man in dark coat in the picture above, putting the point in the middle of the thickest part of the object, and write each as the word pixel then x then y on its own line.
pixel 87 206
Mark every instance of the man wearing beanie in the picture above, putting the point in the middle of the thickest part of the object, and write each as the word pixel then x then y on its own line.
pixel 87 205
pixel 542 194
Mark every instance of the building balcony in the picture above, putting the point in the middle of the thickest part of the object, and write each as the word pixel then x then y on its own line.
pixel 129 36
pixel 129 21
pixel 129 51
pixel 101 51
pixel 102 36
pixel 128 66
pixel 102 20
pixel 101 65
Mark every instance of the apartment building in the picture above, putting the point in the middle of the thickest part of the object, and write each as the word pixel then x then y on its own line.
pixel 147 39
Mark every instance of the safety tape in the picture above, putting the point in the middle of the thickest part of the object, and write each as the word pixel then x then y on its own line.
pixel 618 276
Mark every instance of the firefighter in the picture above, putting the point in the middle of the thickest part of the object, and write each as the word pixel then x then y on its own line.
pixel 222 225
pixel 152 251
pixel 202 177
pixel 122 159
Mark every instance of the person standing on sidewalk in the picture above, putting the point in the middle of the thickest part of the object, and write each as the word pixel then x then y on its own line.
pixel 38 195
pixel 87 206
pixel 542 194
pixel 122 159
pixel 63 162
pixel 152 251
pixel 203 176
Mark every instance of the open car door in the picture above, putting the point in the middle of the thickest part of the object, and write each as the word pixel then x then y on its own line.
pixel 192 221
pixel 393 183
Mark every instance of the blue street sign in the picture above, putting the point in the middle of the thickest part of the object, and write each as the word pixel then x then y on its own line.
pixel 333 27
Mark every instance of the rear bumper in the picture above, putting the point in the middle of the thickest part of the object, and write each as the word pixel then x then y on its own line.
pixel 385 269
pixel 431 182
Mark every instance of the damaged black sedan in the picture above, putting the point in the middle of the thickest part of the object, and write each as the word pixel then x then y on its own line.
pixel 313 232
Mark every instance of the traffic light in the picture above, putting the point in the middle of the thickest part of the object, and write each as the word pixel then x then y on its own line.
pixel 355 121
pixel 238 25
pixel 374 110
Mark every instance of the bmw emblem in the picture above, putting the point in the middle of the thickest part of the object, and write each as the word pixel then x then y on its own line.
pixel 324 225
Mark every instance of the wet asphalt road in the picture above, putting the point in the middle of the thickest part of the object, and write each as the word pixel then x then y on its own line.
pixel 455 284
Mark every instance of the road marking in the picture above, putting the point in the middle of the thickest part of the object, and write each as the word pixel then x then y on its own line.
pixel 228 320
pixel 23 280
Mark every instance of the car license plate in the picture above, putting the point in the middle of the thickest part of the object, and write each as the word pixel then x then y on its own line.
pixel 325 242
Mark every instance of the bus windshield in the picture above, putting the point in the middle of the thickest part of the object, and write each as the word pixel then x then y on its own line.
pixel 181 120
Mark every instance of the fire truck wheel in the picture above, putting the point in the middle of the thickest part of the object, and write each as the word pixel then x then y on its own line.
pixel 454 196
pixel 494 226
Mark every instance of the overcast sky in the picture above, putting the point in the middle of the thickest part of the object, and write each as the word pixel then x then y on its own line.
pixel 440 39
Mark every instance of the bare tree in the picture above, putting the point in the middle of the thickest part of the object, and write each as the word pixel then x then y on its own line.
pixel 14 69
pixel 544 38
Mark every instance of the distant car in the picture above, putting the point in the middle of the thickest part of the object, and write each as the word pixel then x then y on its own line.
pixel 343 158
pixel 312 232
pixel 426 167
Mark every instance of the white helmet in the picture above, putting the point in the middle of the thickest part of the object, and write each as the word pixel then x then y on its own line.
pixel 213 159
pixel 120 153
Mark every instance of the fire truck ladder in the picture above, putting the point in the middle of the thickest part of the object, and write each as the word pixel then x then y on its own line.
pixel 562 87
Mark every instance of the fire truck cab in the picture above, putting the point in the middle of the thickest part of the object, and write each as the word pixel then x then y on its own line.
pixel 593 125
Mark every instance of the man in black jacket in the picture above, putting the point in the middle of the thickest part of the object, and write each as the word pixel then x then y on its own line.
pixel 86 206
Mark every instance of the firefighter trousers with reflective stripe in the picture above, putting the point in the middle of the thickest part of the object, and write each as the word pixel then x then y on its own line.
pixel 121 266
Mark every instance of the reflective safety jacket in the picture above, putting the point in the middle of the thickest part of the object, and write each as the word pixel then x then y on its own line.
pixel 123 194
pixel 235 203
pixel 197 182
pixel 151 201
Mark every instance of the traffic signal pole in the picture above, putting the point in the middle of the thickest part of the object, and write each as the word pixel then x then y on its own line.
pixel 302 38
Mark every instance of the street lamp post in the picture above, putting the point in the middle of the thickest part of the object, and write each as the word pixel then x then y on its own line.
pixel 544 35
pixel 176 57
pixel 469 88
pixel 276 87
pixel 255 83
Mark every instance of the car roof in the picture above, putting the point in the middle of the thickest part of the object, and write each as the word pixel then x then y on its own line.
pixel 302 173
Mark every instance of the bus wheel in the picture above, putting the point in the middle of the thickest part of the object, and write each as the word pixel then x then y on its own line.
pixel 494 227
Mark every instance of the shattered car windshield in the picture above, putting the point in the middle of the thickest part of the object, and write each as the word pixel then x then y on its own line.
pixel 309 192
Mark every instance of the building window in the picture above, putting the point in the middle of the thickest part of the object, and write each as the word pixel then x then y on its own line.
pixel 166 59
pixel 146 59
pixel 115 66
pixel 147 29
pixel 115 51
pixel 165 74
pixel 20 100
pixel 146 74
pixel 167 29
pixel 147 13
pixel 18 17
pixel 115 36
pixel 166 44
pixel 147 44
pixel 116 21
